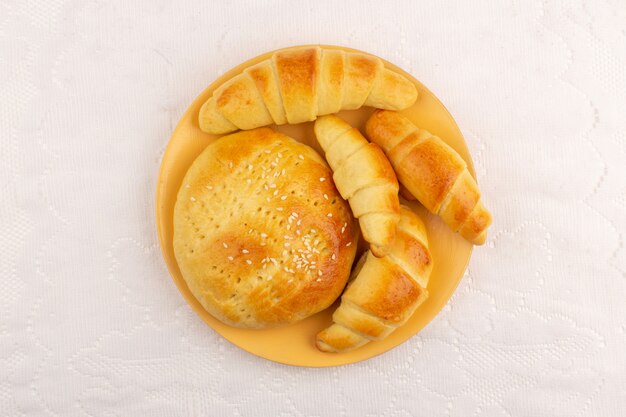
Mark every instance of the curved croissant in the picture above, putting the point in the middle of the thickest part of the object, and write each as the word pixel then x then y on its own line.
pixel 384 292
pixel 433 172
pixel 364 177
pixel 297 85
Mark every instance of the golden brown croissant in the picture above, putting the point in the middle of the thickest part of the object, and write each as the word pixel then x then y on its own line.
pixel 384 292
pixel 297 85
pixel 433 172
pixel 364 177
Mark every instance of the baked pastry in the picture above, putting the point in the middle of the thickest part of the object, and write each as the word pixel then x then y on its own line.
pixel 384 292
pixel 261 235
pixel 364 177
pixel 433 172
pixel 296 85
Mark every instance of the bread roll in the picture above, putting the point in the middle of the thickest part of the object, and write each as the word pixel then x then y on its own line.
pixel 433 172
pixel 261 235
pixel 364 177
pixel 384 292
pixel 296 85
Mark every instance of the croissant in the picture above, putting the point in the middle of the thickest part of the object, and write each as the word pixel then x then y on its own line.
pixel 364 177
pixel 433 172
pixel 383 292
pixel 297 85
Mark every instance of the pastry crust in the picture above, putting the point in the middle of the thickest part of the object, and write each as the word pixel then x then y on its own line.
pixel 384 292
pixel 261 235
pixel 433 172
pixel 364 177
pixel 297 71
pixel 296 85
pixel 266 82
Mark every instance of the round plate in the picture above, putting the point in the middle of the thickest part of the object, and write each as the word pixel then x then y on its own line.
pixel 294 344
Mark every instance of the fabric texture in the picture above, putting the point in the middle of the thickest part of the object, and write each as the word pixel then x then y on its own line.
pixel 91 323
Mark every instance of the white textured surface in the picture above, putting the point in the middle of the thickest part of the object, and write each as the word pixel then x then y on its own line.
pixel 92 325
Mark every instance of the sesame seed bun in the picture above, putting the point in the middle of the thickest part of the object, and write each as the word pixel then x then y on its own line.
pixel 261 234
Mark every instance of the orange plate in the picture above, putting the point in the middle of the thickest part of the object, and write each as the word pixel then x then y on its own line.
pixel 294 345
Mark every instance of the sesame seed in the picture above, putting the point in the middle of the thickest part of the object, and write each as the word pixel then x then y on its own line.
pixel 266 187
pixel 290 281
pixel 330 214
pixel 269 278
pixel 248 261
pixel 283 171
pixel 187 185
pixel 283 198
pixel 301 157
pixel 280 155
pixel 264 266
pixel 225 245
pixel 208 187
pixel 268 199
pixel 230 258
pixel 333 257
pixel 249 181
pixel 230 165
pixel 273 186
pixel 319 272
pixel 273 260
pixel 274 164
pixel 250 167
pixel 326 196
pixel 192 199
pixel 287 244
pixel 298 232
pixel 322 179
pixel 349 243
pixel 294 214
pixel 262 243
pixel 263 235
pixel 267 151
pixel 319 280
pixel 276 192
pixel 279 209
pixel 245 251
pixel 299 222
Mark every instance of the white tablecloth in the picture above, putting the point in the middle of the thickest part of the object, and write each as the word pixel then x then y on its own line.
pixel 92 325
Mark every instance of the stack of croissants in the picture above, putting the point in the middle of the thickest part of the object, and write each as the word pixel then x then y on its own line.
pixel 393 157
